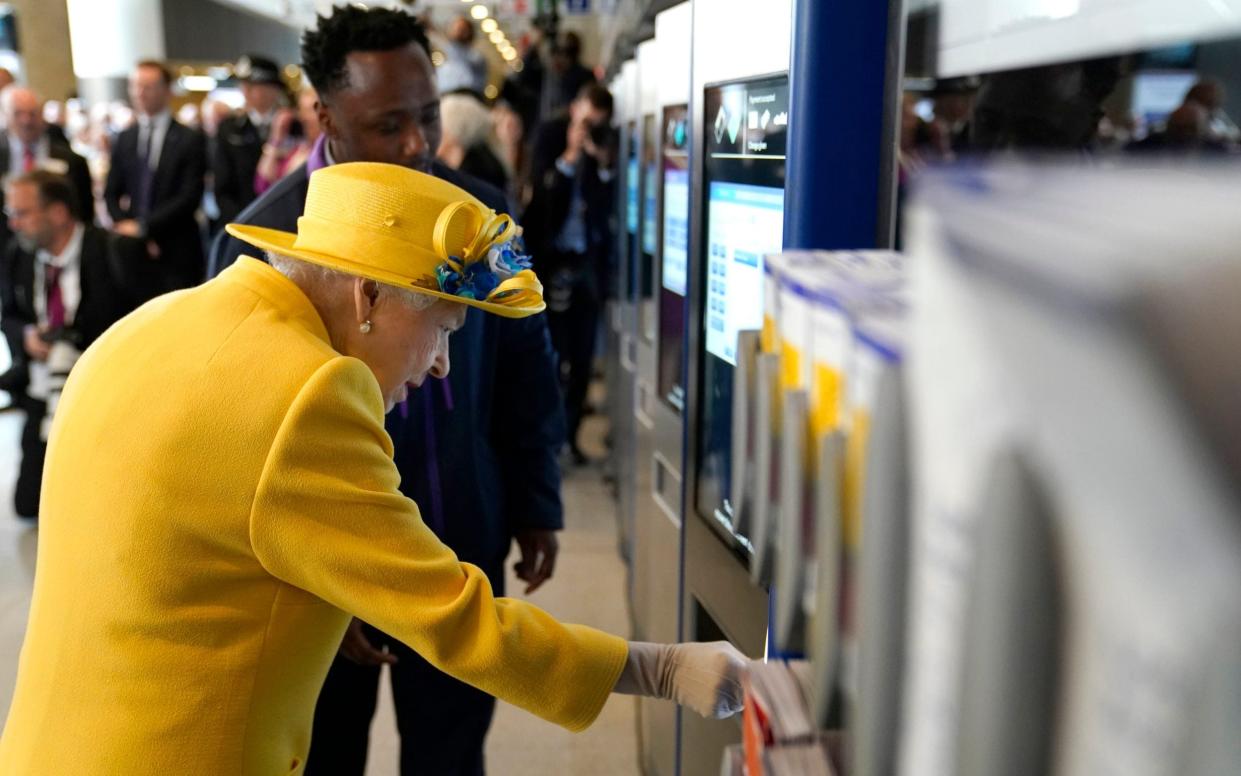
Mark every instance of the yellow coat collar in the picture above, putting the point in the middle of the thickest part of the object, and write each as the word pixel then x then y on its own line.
pixel 261 278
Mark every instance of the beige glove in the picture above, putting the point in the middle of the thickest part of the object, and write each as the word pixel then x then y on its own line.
pixel 703 677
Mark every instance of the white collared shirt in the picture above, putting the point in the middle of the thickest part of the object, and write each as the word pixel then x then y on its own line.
pixel 17 154
pixel 69 261
pixel 158 124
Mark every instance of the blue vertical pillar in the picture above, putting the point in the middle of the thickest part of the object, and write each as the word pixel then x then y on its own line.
pixel 841 147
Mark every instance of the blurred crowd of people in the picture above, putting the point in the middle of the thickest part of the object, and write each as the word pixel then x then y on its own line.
pixel 111 205
pixel 1014 111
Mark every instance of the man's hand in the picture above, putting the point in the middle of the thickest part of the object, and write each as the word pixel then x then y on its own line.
pixel 36 348
pixel 129 227
pixel 358 648
pixel 575 142
pixel 539 548
pixel 280 126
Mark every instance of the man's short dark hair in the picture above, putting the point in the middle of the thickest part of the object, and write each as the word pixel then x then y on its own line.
pixel 164 73
pixel 351 28
pixel 52 189
pixel 598 95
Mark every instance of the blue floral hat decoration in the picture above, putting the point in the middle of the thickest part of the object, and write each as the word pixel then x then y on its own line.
pixel 408 229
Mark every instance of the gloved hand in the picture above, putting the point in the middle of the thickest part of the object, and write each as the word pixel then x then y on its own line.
pixel 703 677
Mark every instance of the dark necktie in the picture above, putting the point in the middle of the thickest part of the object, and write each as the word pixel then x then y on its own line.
pixel 146 175
pixel 55 302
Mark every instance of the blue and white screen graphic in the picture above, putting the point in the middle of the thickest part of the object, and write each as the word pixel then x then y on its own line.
pixel 746 223
pixel 633 187
pixel 650 208
pixel 676 230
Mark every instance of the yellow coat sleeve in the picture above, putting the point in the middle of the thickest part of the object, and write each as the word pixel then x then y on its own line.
pixel 328 518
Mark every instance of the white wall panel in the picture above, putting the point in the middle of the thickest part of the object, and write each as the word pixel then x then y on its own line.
pixel 739 38
pixel 673 31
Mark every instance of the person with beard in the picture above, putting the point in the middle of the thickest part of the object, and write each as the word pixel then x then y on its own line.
pixel 378 102
pixel 63 282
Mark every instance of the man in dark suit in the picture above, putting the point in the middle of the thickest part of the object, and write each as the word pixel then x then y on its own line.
pixel 27 145
pixel 62 283
pixel 239 142
pixel 568 231
pixel 495 422
pixel 155 184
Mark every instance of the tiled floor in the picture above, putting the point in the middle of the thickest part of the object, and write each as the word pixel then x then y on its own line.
pixel 588 588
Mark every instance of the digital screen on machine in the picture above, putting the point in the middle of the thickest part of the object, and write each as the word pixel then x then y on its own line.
pixel 633 208
pixel 633 183
pixel 650 227
pixel 674 239
pixel 744 165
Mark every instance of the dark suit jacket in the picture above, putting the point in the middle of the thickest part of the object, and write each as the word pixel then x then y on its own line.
pixel 78 174
pixel 176 195
pixel 552 197
pixel 496 441
pixel 236 159
pixel 115 279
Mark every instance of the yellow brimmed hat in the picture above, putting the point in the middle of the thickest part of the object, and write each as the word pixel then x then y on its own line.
pixel 410 230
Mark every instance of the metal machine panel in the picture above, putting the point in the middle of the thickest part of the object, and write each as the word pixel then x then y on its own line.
pixel 664 64
pixel 734 40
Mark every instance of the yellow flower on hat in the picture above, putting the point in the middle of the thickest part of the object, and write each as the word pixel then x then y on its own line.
pixel 411 230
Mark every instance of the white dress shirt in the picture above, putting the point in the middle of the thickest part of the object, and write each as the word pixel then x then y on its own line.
pixel 69 261
pixel 17 154
pixel 158 124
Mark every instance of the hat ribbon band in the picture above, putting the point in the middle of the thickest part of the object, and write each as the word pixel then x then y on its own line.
pixel 496 229
pixel 351 243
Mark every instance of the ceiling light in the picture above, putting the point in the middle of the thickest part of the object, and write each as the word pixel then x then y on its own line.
pixel 509 54
pixel 490 25
pixel 198 83
pixel 479 12
pixel 497 37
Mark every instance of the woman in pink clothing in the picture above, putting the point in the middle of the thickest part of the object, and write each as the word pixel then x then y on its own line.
pixel 293 135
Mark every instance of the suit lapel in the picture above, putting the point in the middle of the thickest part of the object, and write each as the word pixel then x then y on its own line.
pixel 166 155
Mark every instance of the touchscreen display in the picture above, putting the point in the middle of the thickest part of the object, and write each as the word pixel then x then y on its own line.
pixel 650 227
pixel 633 208
pixel 674 277
pixel 746 132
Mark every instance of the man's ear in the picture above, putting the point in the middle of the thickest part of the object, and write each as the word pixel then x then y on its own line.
pixel 326 124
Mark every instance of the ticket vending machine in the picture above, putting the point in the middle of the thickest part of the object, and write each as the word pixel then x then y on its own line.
pixel 660 396
pixel 1102 661
pixel 1090 541
pixel 643 335
pixel 623 315
pixel 738 118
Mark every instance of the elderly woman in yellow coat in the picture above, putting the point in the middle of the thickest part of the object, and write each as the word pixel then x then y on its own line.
pixel 220 499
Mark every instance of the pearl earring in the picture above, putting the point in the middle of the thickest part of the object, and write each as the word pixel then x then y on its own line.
pixel 365 328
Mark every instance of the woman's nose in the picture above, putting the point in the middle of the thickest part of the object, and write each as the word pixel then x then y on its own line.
pixel 440 367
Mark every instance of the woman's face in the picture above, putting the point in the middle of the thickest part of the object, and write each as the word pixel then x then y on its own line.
pixel 404 345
